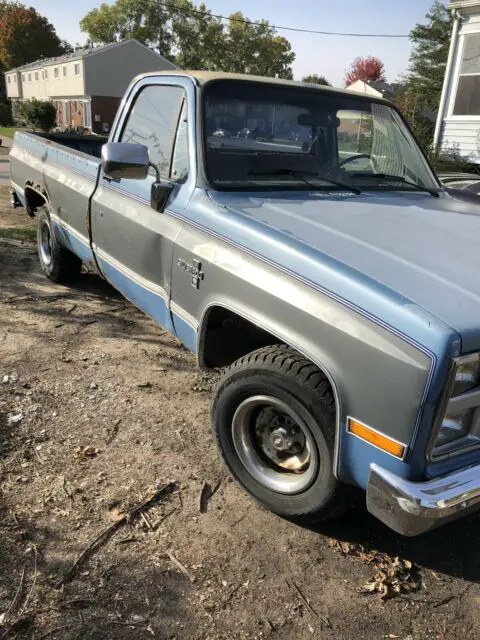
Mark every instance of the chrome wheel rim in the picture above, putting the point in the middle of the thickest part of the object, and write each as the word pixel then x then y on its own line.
pixel 45 243
pixel 275 445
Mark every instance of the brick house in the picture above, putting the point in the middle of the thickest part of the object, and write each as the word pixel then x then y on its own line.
pixel 86 86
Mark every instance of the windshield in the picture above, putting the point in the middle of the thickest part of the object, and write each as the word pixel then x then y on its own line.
pixel 261 136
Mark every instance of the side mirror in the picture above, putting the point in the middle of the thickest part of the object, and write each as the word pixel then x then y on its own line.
pixel 125 160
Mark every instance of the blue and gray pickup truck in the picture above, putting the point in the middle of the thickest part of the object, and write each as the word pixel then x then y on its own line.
pixel 316 259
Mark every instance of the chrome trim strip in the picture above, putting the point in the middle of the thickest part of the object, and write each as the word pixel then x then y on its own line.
pixel 128 273
pixel 76 234
pixel 464 401
pixel 17 187
pixel 411 508
pixel 402 444
pixel 184 315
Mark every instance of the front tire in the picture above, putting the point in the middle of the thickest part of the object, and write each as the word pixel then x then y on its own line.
pixel 57 263
pixel 273 418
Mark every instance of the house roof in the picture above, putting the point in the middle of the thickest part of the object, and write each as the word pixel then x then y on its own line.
pixel 387 89
pixel 79 54
pixel 464 4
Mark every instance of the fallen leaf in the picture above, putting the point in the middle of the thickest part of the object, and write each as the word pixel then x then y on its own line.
pixel 2 618
pixel 87 452
pixel 115 515
pixel 14 418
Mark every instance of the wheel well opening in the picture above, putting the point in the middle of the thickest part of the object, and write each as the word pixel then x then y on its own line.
pixel 34 201
pixel 226 336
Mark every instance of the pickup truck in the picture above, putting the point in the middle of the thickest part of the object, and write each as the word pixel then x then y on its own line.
pixel 323 267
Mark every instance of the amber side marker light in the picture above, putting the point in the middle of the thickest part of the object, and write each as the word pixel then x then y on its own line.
pixel 373 437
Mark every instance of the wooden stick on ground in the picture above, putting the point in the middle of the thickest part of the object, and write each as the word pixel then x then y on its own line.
pixel 105 535
pixel 181 566
pixel 304 599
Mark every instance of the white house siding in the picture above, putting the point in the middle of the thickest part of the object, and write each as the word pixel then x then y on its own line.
pixel 48 86
pixel 109 72
pixel 14 85
pixel 461 133
pixel 463 137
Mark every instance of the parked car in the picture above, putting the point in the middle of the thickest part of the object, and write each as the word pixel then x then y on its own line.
pixel 343 305
pixel 468 181
pixel 247 133
pixel 221 133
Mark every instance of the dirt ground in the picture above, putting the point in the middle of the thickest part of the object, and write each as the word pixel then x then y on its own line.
pixel 100 409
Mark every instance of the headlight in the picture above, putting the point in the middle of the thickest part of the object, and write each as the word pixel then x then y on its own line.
pixel 467 374
pixel 460 424
pixel 454 426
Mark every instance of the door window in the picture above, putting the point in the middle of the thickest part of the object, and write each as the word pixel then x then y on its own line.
pixel 180 152
pixel 153 122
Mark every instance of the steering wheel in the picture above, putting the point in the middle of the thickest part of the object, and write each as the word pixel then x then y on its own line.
pixel 359 156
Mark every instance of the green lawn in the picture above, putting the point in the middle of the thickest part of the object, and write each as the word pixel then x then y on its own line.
pixel 8 132
pixel 24 234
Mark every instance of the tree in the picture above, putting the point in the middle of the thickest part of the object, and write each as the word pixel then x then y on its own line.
pixel 25 36
pixel 369 69
pixel 199 37
pixel 255 48
pixel 428 61
pixel 420 93
pixel 144 20
pixel 192 37
pixel 39 114
pixel 313 78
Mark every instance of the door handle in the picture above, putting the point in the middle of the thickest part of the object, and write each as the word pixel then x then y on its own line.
pixel 108 179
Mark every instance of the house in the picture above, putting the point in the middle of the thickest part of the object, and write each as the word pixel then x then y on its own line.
pixel 377 89
pixel 86 86
pixel 458 122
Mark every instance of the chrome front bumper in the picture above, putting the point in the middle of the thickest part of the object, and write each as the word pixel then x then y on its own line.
pixel 411 508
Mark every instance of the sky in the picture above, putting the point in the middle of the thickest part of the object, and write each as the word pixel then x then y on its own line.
pixel 325 55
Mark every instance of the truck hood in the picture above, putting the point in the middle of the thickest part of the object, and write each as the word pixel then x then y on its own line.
pixel 424 248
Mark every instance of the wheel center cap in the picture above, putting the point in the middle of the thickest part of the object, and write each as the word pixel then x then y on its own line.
pixel 280 439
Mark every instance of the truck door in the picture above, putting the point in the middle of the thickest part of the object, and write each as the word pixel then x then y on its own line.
pixel 133 243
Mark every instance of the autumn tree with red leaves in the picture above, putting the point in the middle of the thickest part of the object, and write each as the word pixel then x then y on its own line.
pixel 369 69
pixel 25 36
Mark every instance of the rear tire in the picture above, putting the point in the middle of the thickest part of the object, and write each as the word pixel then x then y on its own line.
pixel 273 418
pixel 57 263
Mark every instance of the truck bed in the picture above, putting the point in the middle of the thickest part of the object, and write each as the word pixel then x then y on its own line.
pixel 91 145
pixel 62 169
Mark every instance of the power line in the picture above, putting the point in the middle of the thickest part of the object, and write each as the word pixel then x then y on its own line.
pixel 277 27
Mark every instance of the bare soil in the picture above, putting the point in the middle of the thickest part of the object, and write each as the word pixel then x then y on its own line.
pixel 99 408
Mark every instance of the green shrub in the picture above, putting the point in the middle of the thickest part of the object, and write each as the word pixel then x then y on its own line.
pixel 450 160
pixel 39 115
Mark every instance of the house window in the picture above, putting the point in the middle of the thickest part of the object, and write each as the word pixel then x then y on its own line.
pixel 15 79
pixel 55 72
pixel 29 77
pixel 467 101
pixel 36 75
pixel 46 74
pixel 64 71
pixel 23 76
pixel 77 69
pixel 9 79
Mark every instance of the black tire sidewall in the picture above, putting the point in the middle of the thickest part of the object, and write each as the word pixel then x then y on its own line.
pixel 48 269
pixel 64 266
pixel 319 420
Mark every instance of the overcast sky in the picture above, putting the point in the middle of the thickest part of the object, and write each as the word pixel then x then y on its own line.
pixel 325 55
